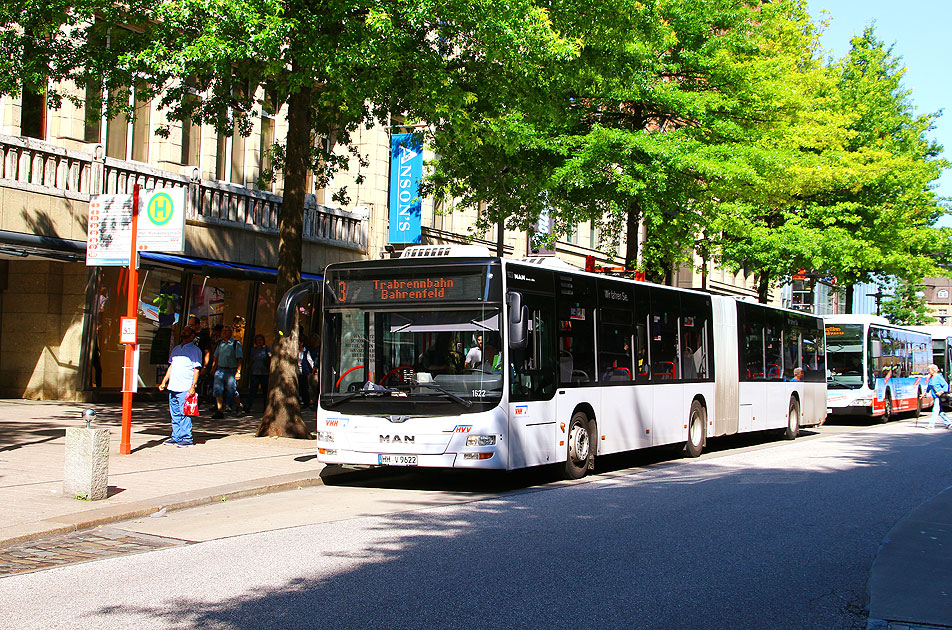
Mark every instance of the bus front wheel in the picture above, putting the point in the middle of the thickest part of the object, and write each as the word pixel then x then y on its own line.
pixel 793 420
pixel 579 446
pixel 697 421
pixel 887 414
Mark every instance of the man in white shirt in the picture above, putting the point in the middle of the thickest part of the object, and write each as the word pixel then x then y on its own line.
pixel 185 364
pixel 475 355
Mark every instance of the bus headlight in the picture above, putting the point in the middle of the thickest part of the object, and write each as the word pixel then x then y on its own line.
pixel 480 440
pixel 325 436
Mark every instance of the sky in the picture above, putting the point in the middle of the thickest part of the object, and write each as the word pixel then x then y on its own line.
pixel 920 32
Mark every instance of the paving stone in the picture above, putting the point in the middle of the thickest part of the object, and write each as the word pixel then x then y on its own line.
pixel 78 547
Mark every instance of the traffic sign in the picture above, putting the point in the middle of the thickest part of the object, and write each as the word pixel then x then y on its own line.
pixel 162 220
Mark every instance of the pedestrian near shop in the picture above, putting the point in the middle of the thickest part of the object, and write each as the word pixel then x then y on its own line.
pixel 935 387
pixel 226 361
pixel 185 364
pixel 259 358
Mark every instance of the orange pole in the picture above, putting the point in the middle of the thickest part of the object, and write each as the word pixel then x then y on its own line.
pixel 132 307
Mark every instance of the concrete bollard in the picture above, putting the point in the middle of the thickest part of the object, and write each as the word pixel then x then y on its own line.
pixel 86 471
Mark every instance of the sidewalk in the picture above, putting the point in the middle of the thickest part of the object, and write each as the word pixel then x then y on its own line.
pixel 910 583
pixel 226 462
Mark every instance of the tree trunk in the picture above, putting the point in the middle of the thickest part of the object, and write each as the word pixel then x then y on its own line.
pixel 631 235
pixel 500 236
pixel 282 417
pixel 763 288
pixel 849 299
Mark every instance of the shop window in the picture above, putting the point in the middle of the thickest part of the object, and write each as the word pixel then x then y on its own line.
pixel 159 310
pixel 221 301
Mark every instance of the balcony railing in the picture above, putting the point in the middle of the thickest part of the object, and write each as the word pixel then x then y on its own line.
pixel 41 167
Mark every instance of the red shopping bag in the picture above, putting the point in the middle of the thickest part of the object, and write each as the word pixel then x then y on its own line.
pixel 190 408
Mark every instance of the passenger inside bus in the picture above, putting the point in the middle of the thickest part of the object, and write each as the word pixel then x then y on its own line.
pixel 439 358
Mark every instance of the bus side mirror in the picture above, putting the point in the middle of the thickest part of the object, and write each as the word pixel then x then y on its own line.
pixel 518 321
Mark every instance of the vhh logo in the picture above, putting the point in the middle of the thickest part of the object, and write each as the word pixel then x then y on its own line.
pixel 160 209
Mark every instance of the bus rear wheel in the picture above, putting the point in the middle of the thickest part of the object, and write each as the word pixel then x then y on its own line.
pixel 697 421
pixel 580 445
pixel 793 420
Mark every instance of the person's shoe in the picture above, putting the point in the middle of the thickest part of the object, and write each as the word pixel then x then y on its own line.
pixel 171 442
pixel 185 444
pixel 218 415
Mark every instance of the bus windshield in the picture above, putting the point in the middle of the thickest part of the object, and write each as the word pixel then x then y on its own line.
pixel 844 355
pixel 416 355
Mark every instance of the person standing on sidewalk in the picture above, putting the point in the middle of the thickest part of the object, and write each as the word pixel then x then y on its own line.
pixel 935 387
pixel 185 364
pixel 226 362
pixel 260 359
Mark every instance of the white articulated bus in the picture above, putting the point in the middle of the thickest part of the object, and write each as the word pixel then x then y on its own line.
pixel 454 359
pixel 875 369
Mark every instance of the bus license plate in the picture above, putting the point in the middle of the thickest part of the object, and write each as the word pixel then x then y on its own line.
pixel 397 460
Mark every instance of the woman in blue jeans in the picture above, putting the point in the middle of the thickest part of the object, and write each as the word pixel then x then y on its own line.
pixel 935 387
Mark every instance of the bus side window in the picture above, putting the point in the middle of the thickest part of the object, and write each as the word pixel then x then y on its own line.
pixel 614 346
pixel 663 333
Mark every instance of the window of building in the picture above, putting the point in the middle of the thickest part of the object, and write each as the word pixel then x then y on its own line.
pixel 33 114
pixel 129 138
pixel 191 131
pixel 268 112
pixel 92 114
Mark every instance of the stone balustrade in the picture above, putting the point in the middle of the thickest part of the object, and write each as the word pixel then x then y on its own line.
pixel 41 167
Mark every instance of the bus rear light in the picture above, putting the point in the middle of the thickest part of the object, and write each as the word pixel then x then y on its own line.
pixel 480 440
pixel 477 455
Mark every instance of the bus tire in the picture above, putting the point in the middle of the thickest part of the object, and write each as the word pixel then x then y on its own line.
pixel 887 414
pixel 918 403
pixel 697 421
pixel 793 420
pixel 580 445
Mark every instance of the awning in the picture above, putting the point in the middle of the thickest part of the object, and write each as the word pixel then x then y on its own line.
pixel 220 269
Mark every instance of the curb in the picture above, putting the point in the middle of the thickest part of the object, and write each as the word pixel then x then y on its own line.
pixel 87 519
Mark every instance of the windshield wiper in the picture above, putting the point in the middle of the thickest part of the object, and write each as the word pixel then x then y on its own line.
pixel 445 392
pixel 366 391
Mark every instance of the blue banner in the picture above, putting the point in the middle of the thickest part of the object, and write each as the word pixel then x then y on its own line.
pixel 406 169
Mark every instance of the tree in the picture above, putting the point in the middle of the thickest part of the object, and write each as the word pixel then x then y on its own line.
pixel 855 201
pixel 907 306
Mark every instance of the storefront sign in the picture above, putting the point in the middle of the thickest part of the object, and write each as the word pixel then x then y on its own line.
pixel 109 230
pixel 406 169
pixel 162 220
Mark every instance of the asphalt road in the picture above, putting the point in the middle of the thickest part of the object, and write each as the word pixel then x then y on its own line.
pixel 757 534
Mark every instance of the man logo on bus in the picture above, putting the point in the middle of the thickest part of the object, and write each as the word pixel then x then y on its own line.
pixel 160 209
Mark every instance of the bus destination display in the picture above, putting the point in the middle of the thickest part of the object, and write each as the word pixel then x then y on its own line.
pixel 435 288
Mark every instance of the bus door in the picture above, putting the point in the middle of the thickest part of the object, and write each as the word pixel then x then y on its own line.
pixel 532 373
